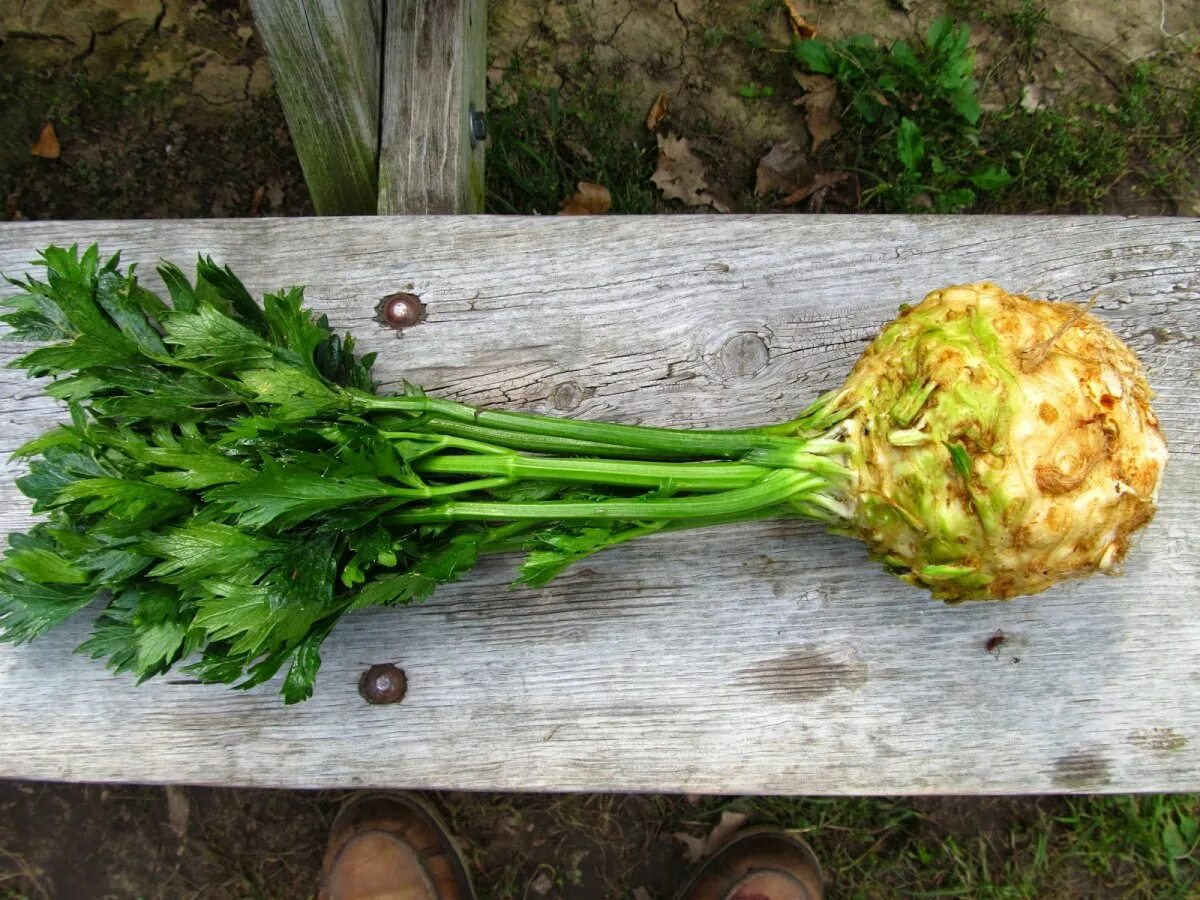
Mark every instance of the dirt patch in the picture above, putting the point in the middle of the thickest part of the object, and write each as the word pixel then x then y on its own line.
pixel 162 110
pixel 731 82
pixel 101 841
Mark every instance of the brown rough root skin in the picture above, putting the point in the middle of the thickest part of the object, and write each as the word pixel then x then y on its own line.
pixel 1059 453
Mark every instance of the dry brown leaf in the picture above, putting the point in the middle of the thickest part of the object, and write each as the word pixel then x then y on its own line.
pixel 47 146
pixel 693 847
pixel 178 810
pixel 783 169
pixel 696 849
pixel 1031 98
pixel 801 27
pixel 681 176
pixel 12 212
pixel 657 111
pixel 257 199
pixel 590 200
pixel 578 149
pixel 822 181
pixel 820 92
pixel 640 893
pixel 542 884
pixel 275 193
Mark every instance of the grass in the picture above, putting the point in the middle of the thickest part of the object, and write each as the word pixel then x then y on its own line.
pixel 545 138
pixel 1026 848
pixel 994 848
pixel 1025 24
pixel 1072 155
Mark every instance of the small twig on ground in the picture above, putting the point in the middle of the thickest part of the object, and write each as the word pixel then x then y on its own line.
pixel 25 871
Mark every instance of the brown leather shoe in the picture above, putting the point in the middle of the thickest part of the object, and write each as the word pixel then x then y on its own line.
pixel 759 864
pixel 392 847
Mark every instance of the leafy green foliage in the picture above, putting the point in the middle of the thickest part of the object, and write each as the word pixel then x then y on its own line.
pixel 916 134
pixel 167 492
pixel 912 113
pixel 229 485
pixel 1072 154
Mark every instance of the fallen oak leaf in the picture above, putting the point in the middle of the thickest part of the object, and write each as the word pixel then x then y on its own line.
pixel 47 146
pixel 542 884
pixel 801 27
pixel 820 93
pixel 782 170
pixel 681 176
pixel 658 111
pixel 589 200
pixel 821 181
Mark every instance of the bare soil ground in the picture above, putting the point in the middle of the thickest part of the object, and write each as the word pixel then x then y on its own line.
pixel 165 108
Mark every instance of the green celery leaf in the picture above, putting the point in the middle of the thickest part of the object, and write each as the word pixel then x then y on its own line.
pixel 230 288
pixel 183 298
pixel 27 608
pixel 116 296
pixel 285 497
pixel 216 340
pixel 198 551
pixel 44 566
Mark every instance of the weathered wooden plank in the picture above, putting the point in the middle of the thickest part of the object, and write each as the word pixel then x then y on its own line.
pixel 764 658
pixel 325 56
pixel 433 77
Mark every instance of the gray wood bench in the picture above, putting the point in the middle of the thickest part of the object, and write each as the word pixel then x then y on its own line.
pixel 759 658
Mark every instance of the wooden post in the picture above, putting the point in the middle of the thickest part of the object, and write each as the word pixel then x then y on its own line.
pixel 434 66
pixel 325 56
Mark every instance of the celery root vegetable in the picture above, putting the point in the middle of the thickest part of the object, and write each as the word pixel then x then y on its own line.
pixel 230 484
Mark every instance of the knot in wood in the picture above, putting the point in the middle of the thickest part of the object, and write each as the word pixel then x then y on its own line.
pixel 567 395
pixel 742 354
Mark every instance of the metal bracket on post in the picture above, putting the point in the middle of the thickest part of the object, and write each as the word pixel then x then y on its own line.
pixel 477 126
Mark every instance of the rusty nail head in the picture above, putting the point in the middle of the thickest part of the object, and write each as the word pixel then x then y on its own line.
pixel 400 311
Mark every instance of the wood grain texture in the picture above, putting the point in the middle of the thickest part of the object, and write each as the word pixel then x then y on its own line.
pixel 325 57
pixel 759 658
pixel 434 64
